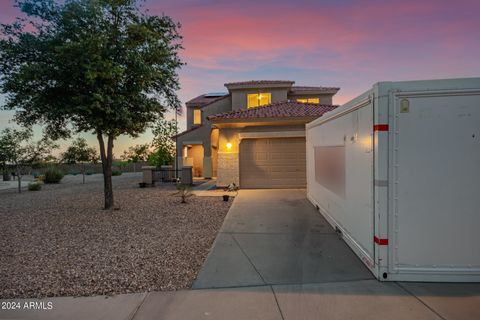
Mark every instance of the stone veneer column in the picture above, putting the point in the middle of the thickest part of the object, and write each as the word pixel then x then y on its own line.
pixel 228 170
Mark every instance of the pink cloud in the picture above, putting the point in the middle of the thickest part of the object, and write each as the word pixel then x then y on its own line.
pixel 241 37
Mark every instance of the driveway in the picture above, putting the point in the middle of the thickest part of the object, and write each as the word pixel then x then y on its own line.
pixel 273 237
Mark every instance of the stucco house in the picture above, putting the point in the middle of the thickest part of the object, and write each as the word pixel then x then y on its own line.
pixel 254 135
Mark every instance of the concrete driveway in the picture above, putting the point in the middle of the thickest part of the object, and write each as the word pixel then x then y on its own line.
pixel 272 237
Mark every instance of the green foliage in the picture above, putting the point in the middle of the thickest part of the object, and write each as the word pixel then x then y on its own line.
pixel 53 175
pixel 160 157
pixel 79 152
pixel 184 191
pixel 18 149
pixel 137 153
pixel 116 173
pixel 100 66
pixel 163 143
pixel 34 186
pixel 120 164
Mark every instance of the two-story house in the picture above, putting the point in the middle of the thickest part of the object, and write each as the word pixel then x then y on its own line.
pixel 254 135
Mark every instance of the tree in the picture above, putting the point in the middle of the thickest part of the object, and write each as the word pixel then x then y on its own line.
pixel 135 154
pixel 163 144
pixel 98 66
pixel 80 152
pixel 17 148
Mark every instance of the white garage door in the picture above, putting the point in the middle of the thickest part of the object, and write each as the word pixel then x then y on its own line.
pixel 273 163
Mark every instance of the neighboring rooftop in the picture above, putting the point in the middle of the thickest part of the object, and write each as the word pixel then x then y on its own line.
pixel 206 99
pixel 186 131
pixel 284 109
pixel 259 84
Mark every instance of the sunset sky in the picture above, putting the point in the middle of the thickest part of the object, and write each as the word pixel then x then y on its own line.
pixel 345 43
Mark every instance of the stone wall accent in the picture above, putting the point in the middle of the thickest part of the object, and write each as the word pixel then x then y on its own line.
pixel 228 169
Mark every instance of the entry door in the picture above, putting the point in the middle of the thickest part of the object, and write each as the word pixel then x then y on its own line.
pixel 273 163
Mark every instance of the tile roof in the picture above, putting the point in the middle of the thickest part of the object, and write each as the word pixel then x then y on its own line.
pixel 310 88
pixel 203 100
pixel 284 109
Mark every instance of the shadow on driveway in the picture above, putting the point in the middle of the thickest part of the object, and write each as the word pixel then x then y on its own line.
pixel 272 237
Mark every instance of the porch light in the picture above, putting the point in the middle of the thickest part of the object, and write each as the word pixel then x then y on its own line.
pixel 229 145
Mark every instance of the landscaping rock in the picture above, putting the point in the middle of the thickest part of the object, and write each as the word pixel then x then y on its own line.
pixel 59 241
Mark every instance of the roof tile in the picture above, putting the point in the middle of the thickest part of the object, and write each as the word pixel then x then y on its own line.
pixel 258 82
pixel 284 109
pixel 311 88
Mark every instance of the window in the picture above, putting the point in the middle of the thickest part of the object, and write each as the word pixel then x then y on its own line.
pixel 258 99
pixel 309 100
pixel 197 116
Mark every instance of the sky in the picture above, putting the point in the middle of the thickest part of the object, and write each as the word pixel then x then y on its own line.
pixel 344 43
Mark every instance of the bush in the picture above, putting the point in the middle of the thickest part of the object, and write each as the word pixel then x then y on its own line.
pixel 116 173
pixel 34 186
pixel 53 175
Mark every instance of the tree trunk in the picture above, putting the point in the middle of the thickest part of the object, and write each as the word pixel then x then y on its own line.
pixel 83 172
pixel 19 178
pixel 106 155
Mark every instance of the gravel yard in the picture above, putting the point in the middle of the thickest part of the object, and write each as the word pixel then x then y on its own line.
pixel 59 242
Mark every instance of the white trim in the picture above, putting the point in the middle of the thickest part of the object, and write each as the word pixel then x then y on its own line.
pixel 334 114
pixel 275 134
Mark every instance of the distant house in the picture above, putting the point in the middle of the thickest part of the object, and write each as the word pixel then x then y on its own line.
pixel 254 135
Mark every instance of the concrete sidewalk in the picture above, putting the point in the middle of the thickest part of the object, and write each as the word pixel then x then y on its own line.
pixel 363 299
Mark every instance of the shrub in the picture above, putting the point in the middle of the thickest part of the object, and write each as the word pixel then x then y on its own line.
pixel 34 186
pixel 116 173
pixel 53 175
pixel 184 192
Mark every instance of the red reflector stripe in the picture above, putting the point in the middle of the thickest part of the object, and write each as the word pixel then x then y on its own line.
pixel 380 127
pixel 380 242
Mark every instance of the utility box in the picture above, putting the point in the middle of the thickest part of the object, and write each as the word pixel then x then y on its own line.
pixel 397 172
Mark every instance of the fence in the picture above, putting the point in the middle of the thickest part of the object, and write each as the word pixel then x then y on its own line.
pixel 165 174
pixel 90 168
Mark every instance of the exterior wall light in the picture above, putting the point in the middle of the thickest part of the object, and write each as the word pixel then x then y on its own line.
pixel 229 145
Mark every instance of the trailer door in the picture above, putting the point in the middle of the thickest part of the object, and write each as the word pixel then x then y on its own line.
pixel 436 171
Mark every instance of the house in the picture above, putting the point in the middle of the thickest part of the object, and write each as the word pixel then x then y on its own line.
pixel 254 135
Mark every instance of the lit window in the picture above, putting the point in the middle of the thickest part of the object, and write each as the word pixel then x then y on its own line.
pixel 259 99
pixel 197 116
pixel 309 100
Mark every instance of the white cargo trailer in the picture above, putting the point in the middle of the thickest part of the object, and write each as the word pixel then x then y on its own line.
pixel 397 172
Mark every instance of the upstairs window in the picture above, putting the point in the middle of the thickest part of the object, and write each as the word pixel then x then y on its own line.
pixel 309 100
pixel 197 116
pixel 259 99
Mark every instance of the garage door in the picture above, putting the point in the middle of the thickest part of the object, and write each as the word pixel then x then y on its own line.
pixel 273 163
